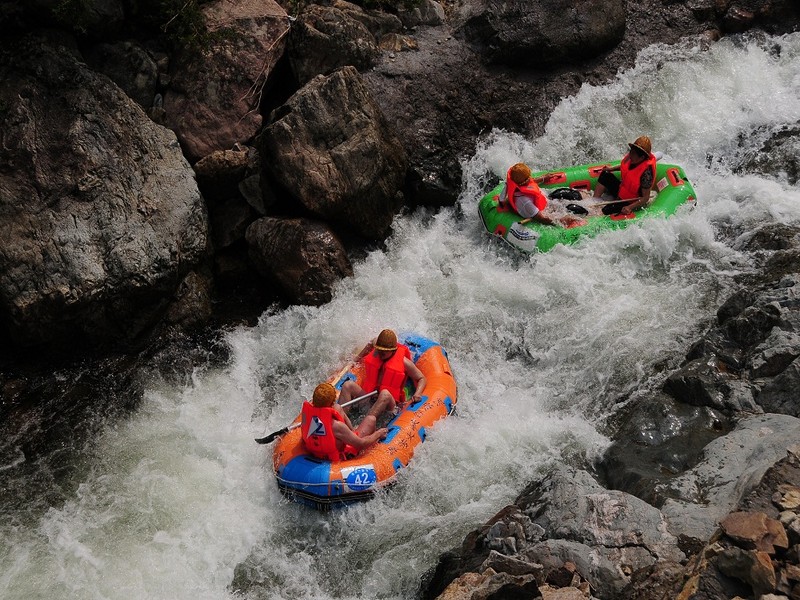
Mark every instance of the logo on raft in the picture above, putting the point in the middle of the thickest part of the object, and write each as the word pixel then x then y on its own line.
pixel 522 237
pixel 360 478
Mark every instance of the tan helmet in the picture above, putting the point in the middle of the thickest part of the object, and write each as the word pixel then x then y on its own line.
pixel 520 173
pixel 324 395
pixel 643 144
pixel 387 340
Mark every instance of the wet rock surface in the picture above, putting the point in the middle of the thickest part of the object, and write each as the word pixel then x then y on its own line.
pixel 697 497
pixel 93 248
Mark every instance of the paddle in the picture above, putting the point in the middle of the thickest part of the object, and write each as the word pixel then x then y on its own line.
pixel 288 428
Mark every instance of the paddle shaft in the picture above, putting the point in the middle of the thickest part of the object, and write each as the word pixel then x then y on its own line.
pixel 604 202
pixel 288 428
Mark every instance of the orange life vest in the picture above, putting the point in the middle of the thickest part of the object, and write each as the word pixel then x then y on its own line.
pixel 317 431
pixel 529 188
pixel 632 176
pixel 392 373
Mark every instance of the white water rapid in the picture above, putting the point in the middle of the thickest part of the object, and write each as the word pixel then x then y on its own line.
pixel 178 502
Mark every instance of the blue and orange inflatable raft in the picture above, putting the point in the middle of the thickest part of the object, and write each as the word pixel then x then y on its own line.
pixel 323 484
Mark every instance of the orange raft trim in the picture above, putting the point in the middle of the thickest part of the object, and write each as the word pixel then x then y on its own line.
pixel 325 484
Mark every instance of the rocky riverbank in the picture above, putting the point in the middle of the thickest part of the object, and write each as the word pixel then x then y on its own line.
pixel 698 497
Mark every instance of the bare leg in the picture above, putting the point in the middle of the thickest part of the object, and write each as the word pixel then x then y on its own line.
pixel 382 404
pixel 367 426
pixel 599 189
pixel 350 390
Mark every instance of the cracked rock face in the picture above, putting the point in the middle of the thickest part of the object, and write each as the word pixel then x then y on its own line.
pixel 100 215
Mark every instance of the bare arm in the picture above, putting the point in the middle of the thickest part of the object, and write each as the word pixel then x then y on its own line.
pixel 340 410
pixel 347 436
pixel 637 204
pixel 539 217
pixel 417 377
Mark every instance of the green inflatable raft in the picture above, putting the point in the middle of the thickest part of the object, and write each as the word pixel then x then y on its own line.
pixel 672 190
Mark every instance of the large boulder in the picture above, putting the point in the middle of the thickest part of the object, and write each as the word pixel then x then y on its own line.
pixel 325 38
pixel 542 34
pixel 100 215
pixel 566 522
pixel 304 258
pixel 330 148
pixel 213 99
pixel 731 467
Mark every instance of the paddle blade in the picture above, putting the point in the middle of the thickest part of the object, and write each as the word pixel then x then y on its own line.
pixel 577 209
pixel 272 436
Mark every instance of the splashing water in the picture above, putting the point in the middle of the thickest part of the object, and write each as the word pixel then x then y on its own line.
pixel 178 502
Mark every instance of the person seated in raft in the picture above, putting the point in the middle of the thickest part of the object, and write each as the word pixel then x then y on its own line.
pixel 328 433
pixel 638 172
pixel 387 367
pixel 526 199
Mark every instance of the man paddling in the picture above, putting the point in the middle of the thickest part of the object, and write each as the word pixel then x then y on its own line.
pixel 387 367
pixel 638 176
pixel 522 194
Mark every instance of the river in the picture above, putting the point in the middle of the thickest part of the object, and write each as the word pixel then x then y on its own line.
pixel 175 500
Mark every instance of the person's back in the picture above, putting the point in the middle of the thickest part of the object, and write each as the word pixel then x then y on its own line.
pixel 522 192
pixel 328 433
pixel 318 419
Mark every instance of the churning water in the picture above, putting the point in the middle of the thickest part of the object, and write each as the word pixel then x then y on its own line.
pixel 177 501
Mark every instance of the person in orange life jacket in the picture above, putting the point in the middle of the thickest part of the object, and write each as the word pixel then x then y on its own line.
pixel 326 430
pixel 526 199
pixel 638 172
pixel 387 367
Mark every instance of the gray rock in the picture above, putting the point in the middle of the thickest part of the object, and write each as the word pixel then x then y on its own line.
pixel 781 393
pixel 656 438
pixel 774 354
pixel 544 34
pixel 100 215
pixel 304 257
pixel 426 12
pixel 378 22
pixel 325 38
pixel 219 175
pixel 331 149
pixel 212 104
pixel 608 534
pixel 731 467
pixel 129 66
pixel 701 382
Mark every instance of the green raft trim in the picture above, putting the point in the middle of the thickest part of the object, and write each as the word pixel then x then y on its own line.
pixel 672 185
